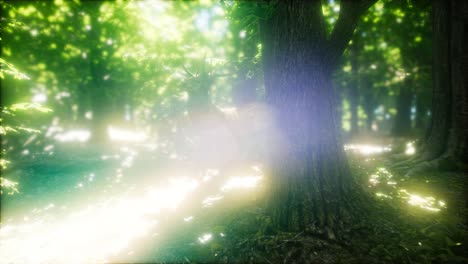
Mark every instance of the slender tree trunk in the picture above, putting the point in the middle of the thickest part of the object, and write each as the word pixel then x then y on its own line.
pixel 97 90
pixel 369 109
pixel 354 89
pixel 310 178
pixel 421 113
pixel 402 125
pixel 369 106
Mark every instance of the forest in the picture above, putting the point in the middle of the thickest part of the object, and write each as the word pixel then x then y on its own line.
pixel 224 131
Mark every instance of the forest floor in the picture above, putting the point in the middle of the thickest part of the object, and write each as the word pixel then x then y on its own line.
pixel 137 204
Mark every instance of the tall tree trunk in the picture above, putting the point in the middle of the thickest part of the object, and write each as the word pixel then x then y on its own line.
pixel 421 113
pixel 458 140
pixel 369 110
pixel 96 86
pixel 369 102
pixel 436 140
pixel 446 137
pixel 310 178
pixel 354 88
pixel 402 124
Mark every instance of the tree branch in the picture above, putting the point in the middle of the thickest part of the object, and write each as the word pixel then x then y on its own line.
pixel 350 12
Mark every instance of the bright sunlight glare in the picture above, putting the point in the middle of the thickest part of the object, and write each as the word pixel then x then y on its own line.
pixel 410 149
pixel 117 134
pixel 91 234
pixel 366 149
pixel 245 182
pixel 97 232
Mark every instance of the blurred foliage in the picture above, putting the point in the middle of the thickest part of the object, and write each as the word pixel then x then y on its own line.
pixel 9 70
pixel 392 42
pixel 132 63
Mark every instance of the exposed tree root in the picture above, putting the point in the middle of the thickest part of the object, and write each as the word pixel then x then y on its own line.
pixel 422 161
pixel 443 162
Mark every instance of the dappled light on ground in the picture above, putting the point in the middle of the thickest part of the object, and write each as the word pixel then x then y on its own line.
pixel 387 187
pixel 91 234
pixel 428 203
pixel 87 236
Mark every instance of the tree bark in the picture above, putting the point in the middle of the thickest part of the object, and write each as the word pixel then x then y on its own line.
pixel 458 140
pixel 310 178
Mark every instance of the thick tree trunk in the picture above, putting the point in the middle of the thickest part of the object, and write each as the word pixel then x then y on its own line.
pixel 448 128
pixel 402 125
pixel 446 137
pixel 310 179
pixel 436 140
pixel 458 140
